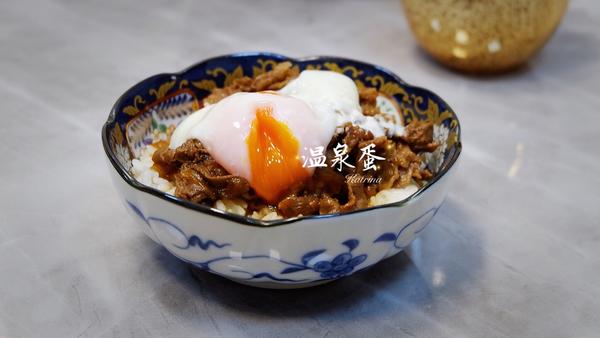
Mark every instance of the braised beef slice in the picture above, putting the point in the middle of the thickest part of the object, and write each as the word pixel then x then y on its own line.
pixel 353 135
pixel 326 180
pixel 243 84
pixel 357 198
pixel 298 205
pixel 368 101
pixel 275 79
pixel 190 184
pixel 419 136
pixel 308 205
pixel 190 151
pixel 198 176
pixel 328 205
pixel 281 74
pixel 226 185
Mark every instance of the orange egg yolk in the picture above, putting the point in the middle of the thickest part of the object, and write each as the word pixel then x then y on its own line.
pixel 274 156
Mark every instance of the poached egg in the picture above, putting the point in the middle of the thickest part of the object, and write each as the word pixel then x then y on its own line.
pixel 266 137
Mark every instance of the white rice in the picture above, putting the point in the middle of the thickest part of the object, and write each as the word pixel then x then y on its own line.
pixel 141 168
pixel 143 172
pixel 392 195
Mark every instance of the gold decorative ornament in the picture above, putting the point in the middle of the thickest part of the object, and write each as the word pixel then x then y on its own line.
pixel 483 36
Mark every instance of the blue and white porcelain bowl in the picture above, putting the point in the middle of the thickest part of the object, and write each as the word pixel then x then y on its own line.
pixel 289 253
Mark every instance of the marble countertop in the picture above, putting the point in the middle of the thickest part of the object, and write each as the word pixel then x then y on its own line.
pixel 514 251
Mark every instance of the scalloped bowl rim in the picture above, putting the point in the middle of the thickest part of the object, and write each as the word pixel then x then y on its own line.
pixel 246 220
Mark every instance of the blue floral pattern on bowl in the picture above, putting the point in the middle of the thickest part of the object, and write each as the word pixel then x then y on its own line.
pixel 340 265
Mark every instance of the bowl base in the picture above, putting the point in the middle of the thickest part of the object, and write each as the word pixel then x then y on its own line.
pixel 198 273
pixel 279 286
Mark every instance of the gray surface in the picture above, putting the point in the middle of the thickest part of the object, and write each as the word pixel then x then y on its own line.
pixel 512 252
